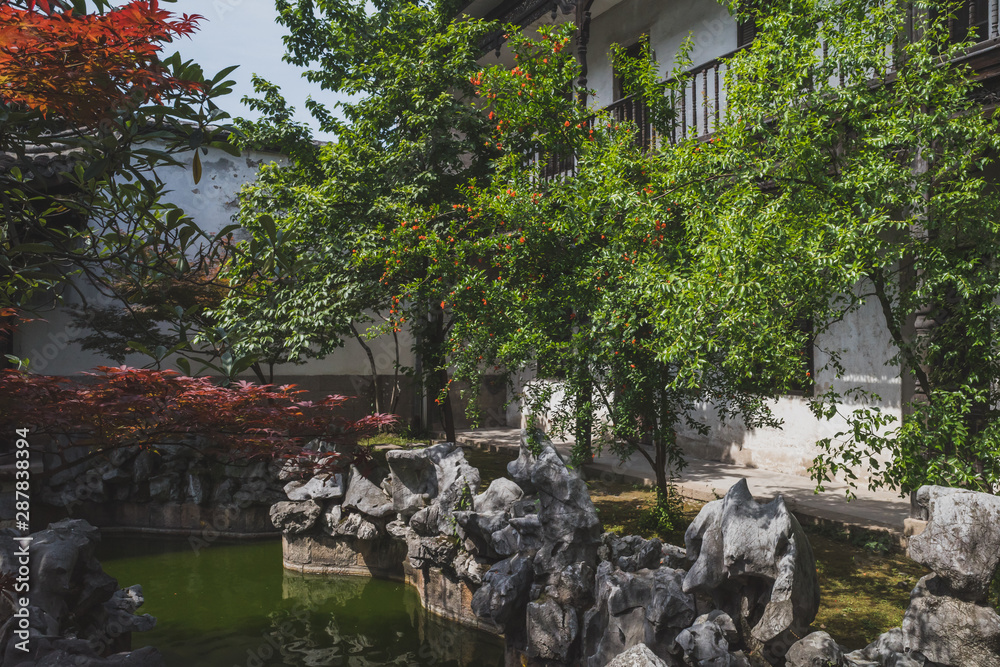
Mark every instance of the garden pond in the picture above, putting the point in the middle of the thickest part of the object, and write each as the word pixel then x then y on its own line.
pixel 232 604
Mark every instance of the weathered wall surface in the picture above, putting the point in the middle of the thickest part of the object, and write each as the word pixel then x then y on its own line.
pixel 864 348
pixel 667 24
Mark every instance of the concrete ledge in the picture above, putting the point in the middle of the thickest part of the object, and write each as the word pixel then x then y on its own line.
pixel 446 596
pixel 384 558
pixel 178 519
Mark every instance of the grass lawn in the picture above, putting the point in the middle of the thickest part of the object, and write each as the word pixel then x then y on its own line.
pixel 863 591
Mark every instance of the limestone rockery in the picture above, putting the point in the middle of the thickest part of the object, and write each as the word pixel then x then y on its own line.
pixel 77 616
pixel 526 558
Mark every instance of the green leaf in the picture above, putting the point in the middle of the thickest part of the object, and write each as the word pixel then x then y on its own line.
pixel 196 168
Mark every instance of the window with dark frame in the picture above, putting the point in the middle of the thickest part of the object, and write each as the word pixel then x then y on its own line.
pixel 637 50
pixel 970 21
pixel 746 32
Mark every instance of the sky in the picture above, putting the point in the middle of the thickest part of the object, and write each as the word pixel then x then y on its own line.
pixel 244 33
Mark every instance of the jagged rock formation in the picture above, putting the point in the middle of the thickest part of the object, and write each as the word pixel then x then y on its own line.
pixel 948 622
pixel 77 614
pixel 530 554
pixel 167 487
pixel 756 564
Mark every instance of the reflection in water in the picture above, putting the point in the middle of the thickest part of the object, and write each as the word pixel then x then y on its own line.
pixel 234 605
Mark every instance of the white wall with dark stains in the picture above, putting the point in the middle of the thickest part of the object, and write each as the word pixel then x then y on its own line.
pixel 48 341
pixel 709 24
pixel 865 349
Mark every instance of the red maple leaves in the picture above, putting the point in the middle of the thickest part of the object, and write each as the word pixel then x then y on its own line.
pixel 85 67
pixel 117 407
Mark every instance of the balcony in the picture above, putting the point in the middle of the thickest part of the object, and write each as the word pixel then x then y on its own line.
pixel 702 101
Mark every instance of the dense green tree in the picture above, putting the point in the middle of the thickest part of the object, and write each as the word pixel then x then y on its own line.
pixel 850 164
pixel 855 164
pixel 571 273
pixel 408 138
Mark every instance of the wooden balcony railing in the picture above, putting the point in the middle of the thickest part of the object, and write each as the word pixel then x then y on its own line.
pixel 700 104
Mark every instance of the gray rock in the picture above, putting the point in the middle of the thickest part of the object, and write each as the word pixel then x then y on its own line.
pixel 397 529
pixel 706 643
pixel 948 630
pixel 500 496
pixel 427 522
pixel 295 517
pixel 817 649
pixel 757 565
pixel 331 519
pixel 352 525
pixel 508 541
pixel 197 485
pixel 521 468
pixel 479 529
pixel 414 479
pixel 66 577
pixel 111 472
pixel 253 492
pixel 432 477
pixel 321 487
pixel 223 492
pixel 647 557
pixel 164 488
pixel 881 651
pixel 470 569
pixel 638 656
pixel 75 605
pixel 961 543
pixel 296 469
pixel 505 589
pixel 367 530
pixel 120 611
pixel 648 606
pixel 673 556
pixel 438 550
pixel 365 495
pixel 551 630
pixel 569 527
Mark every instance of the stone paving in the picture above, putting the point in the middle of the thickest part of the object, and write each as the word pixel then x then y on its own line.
pixel 708 480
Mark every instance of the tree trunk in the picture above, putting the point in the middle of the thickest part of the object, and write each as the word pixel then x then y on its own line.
pixel 376 403
pixel 394 398
pixel 259 372
pixel 660 469
pixel 584 450
pixel 439 377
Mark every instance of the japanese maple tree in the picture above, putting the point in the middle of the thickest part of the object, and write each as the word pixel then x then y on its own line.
pixel 60 60
pixel 117 407
pixel 90 109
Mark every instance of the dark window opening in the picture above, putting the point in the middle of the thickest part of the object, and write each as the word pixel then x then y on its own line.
pixel 637 50
pixel 746 32
pixel 969 22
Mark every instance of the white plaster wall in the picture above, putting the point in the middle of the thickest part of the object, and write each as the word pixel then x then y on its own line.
pixel 211 203
pixel 667 24
pixel 864 347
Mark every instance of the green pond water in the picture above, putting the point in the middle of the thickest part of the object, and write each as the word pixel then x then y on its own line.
pixel 229 605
